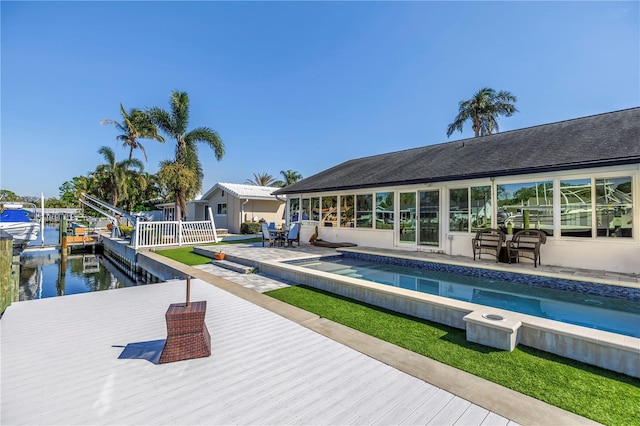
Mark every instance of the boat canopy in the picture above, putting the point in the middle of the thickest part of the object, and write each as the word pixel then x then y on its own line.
pixel 14 216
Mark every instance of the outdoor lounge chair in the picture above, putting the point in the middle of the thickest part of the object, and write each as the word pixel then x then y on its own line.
pixel 293 235
pixel 266 235
pixel 526 243
pixel 488 241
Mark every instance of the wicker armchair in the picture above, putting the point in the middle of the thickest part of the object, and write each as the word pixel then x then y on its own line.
pixel 526 243
pixel 488 241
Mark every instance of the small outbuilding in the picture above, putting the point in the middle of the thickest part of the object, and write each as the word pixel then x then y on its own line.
pixel 232 204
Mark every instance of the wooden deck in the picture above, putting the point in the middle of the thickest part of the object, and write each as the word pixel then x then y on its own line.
pixel 92 359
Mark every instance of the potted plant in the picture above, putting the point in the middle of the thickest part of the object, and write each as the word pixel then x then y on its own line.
pixel 219 255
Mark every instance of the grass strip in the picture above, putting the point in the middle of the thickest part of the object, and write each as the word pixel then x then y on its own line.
pixel 601 395
pixel 186 255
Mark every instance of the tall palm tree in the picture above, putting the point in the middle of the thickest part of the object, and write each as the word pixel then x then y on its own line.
pixel 174 123
pixel 290 177
pixel 135 125
pixel 111 177
pixel 483 110
pixel 261 179
pixel 135 187
pixel 176 176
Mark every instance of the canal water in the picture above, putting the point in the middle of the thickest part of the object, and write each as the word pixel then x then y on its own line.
pixel 46 273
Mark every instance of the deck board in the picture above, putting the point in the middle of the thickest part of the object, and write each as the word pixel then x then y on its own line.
pixel 61 355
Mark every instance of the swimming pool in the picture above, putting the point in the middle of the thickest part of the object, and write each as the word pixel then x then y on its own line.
pixel 598 306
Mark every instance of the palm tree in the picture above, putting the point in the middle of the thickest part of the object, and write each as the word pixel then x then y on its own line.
pixel 290 177
pixel 135 187
pixel 483 110
pixel 177 177
pixel 135 124
pixel 111 177
pixel 174 123
pixel 263 179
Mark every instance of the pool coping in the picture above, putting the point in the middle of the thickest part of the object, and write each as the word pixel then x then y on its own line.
pixel 604 349
pixel 492 267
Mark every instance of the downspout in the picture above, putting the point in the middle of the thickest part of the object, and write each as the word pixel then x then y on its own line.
pixel 242 211
pixel 285 208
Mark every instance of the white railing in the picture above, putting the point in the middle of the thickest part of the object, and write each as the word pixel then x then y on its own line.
pixel 172 233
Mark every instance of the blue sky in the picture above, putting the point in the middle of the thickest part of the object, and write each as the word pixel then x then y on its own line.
pixel 295 85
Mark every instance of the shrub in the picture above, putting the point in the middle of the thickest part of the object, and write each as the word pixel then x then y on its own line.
pixel 250 228
pixel 125 231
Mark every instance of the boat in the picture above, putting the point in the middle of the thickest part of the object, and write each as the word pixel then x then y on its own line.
pixel 18 220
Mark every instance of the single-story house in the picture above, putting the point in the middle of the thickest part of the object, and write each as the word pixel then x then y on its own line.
pixel 577 180
pixel 232 204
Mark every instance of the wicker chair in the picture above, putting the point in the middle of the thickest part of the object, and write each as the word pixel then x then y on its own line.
pixel 526 243
pixel 489 241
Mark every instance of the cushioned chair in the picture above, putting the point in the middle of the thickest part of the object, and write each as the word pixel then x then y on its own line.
pixel 266 235
pixel 293 235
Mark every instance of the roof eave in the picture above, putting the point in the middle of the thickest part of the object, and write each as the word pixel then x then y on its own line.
pixel 488 174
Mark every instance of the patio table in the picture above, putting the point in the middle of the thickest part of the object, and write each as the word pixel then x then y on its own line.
pixel 279 234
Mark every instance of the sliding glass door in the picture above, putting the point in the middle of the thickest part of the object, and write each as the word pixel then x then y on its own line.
pixel 429 218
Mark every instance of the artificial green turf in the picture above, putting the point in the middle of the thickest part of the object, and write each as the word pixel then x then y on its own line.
pixel 601 395
pixel 186 255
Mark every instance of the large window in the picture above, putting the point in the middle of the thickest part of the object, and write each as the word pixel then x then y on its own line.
pixel 384 210
pixel 459 209
pixel 480 207
pixel 315 208
pixel 364 211
pixel 346 211
pixel 330 211
pixel 407 217
pixel 306 206
pixel 294 209
pixel 575 208
pixel 614 207
pixel 526 205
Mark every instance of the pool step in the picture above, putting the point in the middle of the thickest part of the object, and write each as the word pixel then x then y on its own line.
pixel 353 275
pixel 234 266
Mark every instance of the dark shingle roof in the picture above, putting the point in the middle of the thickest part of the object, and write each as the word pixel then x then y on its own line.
pixel 595 141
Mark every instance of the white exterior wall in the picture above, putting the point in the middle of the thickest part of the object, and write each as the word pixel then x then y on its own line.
pixel 269 210
pixel 238 210
pixel 616 254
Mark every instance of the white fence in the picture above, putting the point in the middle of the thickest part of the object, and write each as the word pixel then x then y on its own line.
pixel 171 233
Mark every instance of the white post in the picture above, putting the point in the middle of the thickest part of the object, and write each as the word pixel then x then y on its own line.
pixel 42 219
pixel 180 232
pixel 213 225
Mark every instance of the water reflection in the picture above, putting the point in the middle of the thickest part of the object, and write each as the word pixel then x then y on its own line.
pixel 48 274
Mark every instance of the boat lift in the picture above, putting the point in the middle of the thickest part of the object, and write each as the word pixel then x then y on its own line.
pixel 155 234
pixel 111 212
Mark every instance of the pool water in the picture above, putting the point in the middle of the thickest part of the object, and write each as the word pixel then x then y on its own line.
pixel 617 315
